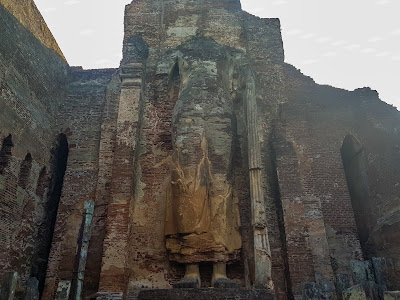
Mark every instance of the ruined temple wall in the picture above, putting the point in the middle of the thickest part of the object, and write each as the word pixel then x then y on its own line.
pixel 304 186
pixel 120 151
pixel 32 86
pixel 319 223
pixel 167 24
pixel 22 208
pixel 163 26
pixel 115 252
pixel 104 184
pixel 315 229
pixel 378 135
pixel 33 80
pixel 309 136
pixel 81 117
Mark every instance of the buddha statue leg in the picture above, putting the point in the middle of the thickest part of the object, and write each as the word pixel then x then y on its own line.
pixel 219 278
pixel 223 205
pixel 191 278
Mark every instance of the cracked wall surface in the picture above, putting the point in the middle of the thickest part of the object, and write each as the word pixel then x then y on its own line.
pixel 192 74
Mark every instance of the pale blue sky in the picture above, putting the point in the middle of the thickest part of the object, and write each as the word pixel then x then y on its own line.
pixel 343 43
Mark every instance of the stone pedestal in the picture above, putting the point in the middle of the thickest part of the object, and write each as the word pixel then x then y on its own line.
pixel 206 294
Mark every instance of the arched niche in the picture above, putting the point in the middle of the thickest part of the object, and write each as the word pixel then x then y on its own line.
pixel 42 182
pixel 5 153
pixel 25 171
pixel 168 103
pixel 357 181
pixel 55 181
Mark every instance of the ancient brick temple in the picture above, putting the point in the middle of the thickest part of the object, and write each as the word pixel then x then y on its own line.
pixel 306 177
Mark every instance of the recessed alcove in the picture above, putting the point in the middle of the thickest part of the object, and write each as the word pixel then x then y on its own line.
pixel 5 153
pixel 357 182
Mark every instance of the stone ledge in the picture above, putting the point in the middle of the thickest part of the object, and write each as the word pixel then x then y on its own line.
pixel 392 295
pixel 206 294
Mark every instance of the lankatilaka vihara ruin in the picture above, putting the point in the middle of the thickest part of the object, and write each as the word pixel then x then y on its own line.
pixel 203 161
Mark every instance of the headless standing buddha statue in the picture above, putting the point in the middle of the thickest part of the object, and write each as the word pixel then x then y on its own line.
pixel 202 217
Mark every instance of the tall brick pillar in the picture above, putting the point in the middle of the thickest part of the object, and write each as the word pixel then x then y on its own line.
pixel 113 277
pixel 306 238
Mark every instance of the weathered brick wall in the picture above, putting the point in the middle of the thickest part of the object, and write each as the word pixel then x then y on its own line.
pixel 104 184
pixel 32 81
pixel 227 25
pixel 265 50
pixel 32 88
pixel 173 24
pixel 80 118
pixel 21 210
pixel 113 275
pixel 378 134
pixel 26 12
pixel 118 128
pixel 310 133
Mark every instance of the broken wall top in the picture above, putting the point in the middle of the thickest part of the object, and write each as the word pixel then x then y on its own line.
pixel 167 24
pixel 26 12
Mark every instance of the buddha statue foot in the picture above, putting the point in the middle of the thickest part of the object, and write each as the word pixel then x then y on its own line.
pixel 219 278
pixel 191 279
pixel 187 283
pixel 225 283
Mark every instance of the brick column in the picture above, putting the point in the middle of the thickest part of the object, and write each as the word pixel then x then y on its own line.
pixel 306 238
pixel 113 277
